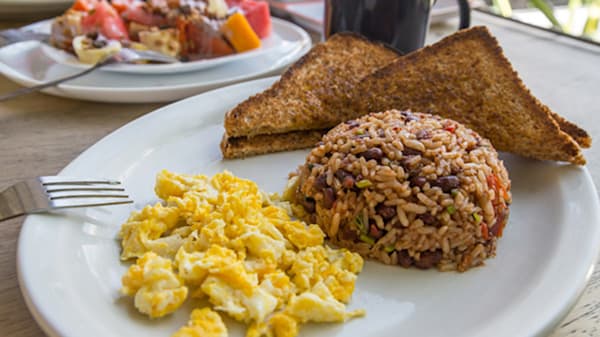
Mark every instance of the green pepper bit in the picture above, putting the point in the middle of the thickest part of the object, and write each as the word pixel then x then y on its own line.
pixel 363 183
pixel 389 249
pixel 451 209
pixel 477 218
pixel 359 223
pixel 366 239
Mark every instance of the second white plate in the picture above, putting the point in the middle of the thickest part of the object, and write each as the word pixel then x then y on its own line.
pixel 284 38
pixel 26 64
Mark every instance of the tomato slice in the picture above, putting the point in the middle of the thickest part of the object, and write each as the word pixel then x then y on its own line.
pixel 105 20
pixel 258 16
pixel 123 5
pixel 84 5
pixel 140 15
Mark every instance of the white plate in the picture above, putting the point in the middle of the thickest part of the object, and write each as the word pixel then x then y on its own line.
pixel 26 64
pixel 285 37
pixel 69 267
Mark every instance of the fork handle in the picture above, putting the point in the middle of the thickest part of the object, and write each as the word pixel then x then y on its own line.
pixel 10 205
pixel 25 91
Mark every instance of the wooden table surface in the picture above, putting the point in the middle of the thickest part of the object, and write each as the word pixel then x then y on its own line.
pixel 41 134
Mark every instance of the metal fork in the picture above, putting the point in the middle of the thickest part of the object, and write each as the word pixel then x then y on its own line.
pixel 124 56
pixel 44 194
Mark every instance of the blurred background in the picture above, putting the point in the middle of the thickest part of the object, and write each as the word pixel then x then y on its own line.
pixel 575 17
pixel 579 18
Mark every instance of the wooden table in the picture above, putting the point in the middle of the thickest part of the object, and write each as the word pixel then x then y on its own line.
pixel 41 134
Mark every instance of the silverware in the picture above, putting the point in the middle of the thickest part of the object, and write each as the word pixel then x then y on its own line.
pixel 123 56
pixel 44 194
pixel 10 36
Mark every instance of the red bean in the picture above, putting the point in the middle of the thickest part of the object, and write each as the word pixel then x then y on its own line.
pixel 386 212
pixel 348 234
pixel 308 204
pixel 428 259
pixel 372 153
pixel 404 259
pixel 320 182
pixel 418 181
pixel 346 178
pixel 410 152
pixel 428 219
pixel 328 197
pixel 447 183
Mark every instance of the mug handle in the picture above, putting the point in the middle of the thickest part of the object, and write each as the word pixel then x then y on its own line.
pixel 464 10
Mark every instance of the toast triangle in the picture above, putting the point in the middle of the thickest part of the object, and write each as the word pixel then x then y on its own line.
pixel 467 78
pixel 300 99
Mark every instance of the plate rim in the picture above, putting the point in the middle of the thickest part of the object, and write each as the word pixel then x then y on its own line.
pixel 183 67
pixel 567 298
pixel 66 86
pixel 94 93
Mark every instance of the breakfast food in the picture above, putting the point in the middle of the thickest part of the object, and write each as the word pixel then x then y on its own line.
pixel 240 147
pixel 298 108
pixel 185 29
pixel 467 78
pixel 223 239
pixel 464 77
pixel 406 188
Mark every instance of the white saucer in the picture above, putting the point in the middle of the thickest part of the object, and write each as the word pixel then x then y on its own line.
pixel 26 64
pixel 285 37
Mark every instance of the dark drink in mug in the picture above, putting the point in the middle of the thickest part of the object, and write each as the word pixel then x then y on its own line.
pixel 401 24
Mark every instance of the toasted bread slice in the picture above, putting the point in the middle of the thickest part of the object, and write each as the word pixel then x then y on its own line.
pixel 467 78
pixel 241 147
pixel 303 97
pixel 578 134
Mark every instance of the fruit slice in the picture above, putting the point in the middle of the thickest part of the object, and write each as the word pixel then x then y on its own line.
pixel 239 33
pixel 257 14
pixel 105 20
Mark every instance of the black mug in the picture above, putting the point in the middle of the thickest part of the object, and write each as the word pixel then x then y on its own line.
pixel 401 24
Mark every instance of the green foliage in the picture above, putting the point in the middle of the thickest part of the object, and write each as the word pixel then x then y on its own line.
pixel 503 7
pixel 591 24
pixel 592 8
pixel 545 7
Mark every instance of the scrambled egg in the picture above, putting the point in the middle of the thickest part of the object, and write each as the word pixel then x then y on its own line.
pixel 157 289
pixel 223 239
pixel 204 322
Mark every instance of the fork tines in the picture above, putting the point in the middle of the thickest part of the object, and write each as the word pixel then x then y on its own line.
pixel 66 192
